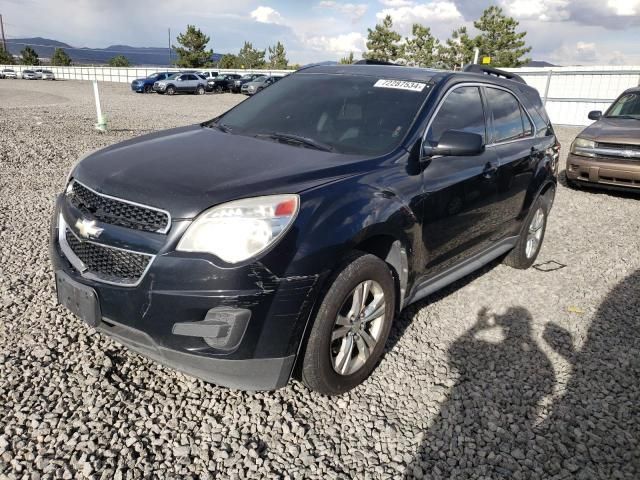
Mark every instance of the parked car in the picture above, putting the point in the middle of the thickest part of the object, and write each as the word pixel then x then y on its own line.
pixel 260 83
pixel 9 73
pixel 292 229
pixel 181 83
pixel 43 74
pixel 145 85
pixel 208 75
pixel 607 153
pixel 237 84
pixel 29 75
pixel 221 83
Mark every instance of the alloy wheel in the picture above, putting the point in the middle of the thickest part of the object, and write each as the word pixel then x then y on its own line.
pixel 534 235
pixel 358 327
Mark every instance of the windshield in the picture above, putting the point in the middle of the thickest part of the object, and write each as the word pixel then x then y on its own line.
pixel 628 105
pixel 29 71
pixel 359 115
pixel 261 78
pixel 47 71
pixel 153 76
pixel 174 76
pixel 220 77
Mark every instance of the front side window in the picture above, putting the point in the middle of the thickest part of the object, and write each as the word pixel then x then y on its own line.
pixel 351 114
pixel 461 110
pixel 508 117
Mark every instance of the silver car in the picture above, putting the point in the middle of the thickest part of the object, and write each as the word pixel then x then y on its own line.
pixel 8 73
pixel 42 74
pixel 258 84
pixel 181 83
pixel 29 75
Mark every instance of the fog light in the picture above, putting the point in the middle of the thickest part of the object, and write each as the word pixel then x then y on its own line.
pixel 222 327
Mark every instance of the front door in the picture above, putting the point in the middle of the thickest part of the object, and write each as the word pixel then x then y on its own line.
pixel 460 192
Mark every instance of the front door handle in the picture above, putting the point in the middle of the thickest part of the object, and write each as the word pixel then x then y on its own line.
pixel 490 170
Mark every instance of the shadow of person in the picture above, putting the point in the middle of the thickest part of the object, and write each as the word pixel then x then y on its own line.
pixel 486 425
pixel 593 430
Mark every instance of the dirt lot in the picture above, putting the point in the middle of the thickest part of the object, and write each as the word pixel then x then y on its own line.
pixel 506 374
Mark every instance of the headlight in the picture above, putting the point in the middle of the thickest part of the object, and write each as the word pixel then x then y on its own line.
pixel 584 147
pixel 239 230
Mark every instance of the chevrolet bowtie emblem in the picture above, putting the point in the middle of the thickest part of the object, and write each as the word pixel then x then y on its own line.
pixel 87 228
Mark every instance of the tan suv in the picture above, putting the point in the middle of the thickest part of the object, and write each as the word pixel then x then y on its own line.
pixel 607 153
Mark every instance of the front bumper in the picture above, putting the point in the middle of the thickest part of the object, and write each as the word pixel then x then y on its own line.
pixel 137 87
pixel 605 172
pixel 162 316
pixel 159 88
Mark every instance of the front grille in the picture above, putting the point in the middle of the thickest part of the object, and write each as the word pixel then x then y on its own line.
pixel 108 264
pixel 117 212
pixel 619 146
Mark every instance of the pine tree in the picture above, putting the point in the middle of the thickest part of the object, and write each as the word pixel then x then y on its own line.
pixel 119 61
pixel 60 58
pixel 29 56
pixel 6 58
pixel 421 50
pixel 383 43
pixel 278 56
pixel 228 60
pixel 457 51
pixel 499 39
pixel 348 60
pixel 249 57
pixel 193 51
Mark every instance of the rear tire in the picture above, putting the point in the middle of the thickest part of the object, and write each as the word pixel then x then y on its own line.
pixel 531 237
pixel 351 326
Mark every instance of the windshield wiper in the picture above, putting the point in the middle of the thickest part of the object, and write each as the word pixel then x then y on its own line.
pixel 296 139
pixel 219 126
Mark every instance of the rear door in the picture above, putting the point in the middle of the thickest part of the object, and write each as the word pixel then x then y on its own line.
pixel 512 138
pixel 460 192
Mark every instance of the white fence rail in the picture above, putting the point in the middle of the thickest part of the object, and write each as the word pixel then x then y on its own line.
pixel 124 75
pixel 569 93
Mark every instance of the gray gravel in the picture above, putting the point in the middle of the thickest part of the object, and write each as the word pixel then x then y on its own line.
pixel 507 374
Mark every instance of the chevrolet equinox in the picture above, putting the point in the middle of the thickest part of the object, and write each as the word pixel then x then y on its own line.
pixel 283 237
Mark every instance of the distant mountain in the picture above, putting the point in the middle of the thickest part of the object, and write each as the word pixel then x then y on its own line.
pixel 539 63
pixel 152 56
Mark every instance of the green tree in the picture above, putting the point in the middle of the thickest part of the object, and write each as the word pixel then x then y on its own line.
pixel 6 58
pixel 192 52
pixel 348 60
pixel 249 57
pixel 383 43
pixel 29 56
pixel 422 49
pixel 499 39
pixel 228 60
pixel 278 56
pixel 457 51
pixel 60 58
pixel 119 61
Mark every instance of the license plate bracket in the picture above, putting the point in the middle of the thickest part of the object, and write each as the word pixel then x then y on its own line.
pixel 79 299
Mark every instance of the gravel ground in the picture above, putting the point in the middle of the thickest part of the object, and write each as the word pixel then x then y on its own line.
pixel 521 374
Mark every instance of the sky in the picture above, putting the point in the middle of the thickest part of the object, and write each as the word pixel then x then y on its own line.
pixel 564 32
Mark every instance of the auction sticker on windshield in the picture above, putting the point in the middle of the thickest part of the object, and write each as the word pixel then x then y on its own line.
pixel 400 84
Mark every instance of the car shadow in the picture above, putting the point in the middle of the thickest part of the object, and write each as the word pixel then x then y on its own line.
pixel 492 424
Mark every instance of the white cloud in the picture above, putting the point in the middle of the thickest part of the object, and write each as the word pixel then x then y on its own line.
pixel 624 7
pixel 355 11
pixel 397 3
pixel 425 13
pixel 544 10
pixel 337 45
pixel 267 15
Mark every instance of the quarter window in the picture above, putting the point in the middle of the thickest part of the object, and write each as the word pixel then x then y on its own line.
pixel 461 110
pixel 509 121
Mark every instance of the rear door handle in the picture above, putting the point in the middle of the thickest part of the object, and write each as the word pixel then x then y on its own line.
pixel 490 169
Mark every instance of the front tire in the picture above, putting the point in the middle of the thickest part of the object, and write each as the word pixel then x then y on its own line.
pixel 171 90
pixel 200 90
pixel 531 237
pixel 148 89
pixel 351 326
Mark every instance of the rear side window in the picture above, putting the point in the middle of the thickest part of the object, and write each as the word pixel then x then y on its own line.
pixel 461 110
pixel 509 120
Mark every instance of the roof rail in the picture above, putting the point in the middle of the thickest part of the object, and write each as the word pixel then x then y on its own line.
pixel 371 61
pixel 484 70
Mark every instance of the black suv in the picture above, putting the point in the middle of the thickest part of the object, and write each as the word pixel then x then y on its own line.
pixel 294 228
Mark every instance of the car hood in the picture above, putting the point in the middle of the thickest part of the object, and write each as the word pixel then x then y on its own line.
pixel 186 170
pixel 614 130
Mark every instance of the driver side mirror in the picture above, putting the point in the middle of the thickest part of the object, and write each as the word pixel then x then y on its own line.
pixel 455 143
pixel 595 115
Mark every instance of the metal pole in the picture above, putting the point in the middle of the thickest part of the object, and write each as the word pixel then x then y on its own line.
pixel 546 88
pixel 102 122
pixel 169 46
pixel 476 55
pixel 4 42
